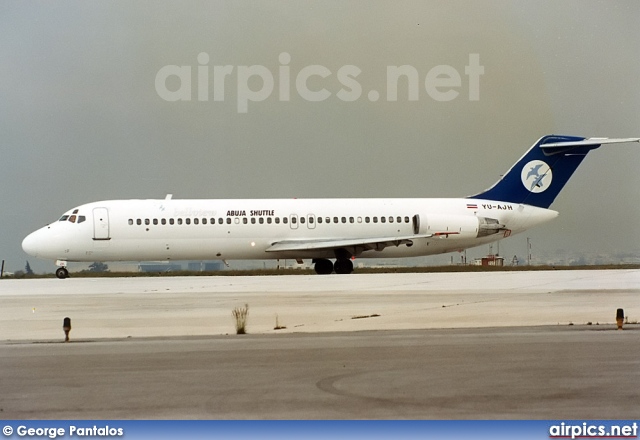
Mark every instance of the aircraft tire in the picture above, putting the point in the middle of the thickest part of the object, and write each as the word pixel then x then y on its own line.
pixel 343 266
pixel 62 273
pixel 323 266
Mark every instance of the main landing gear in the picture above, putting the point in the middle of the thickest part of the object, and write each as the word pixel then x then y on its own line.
pixel 323 266
pixel 62 273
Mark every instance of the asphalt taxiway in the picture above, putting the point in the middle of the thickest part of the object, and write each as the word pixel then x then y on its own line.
pixel 456 345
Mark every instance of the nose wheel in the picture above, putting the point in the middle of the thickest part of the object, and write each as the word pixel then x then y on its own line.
pixel 62 273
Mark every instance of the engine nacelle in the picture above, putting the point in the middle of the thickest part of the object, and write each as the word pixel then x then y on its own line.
pixel 489 226
pixel 458 227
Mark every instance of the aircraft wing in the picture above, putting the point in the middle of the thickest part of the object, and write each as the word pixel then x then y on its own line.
pixel 359 244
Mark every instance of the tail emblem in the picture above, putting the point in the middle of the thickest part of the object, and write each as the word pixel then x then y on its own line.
pixel 536 176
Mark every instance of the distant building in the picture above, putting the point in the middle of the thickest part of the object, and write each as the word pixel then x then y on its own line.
pixel 204 266
pixel 159 267
pixel 166 266
pixel 489 260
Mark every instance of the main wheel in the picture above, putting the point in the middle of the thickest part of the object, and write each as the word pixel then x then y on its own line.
pixel 343 266
pixel 323 266
pixel 62 273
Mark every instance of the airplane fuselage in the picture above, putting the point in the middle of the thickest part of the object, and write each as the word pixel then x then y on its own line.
pixel 138 230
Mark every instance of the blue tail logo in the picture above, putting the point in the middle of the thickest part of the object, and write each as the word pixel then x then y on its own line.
pixel 539 176
pixel 536 176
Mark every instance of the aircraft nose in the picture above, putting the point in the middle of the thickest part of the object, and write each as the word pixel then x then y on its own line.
pixel 30 244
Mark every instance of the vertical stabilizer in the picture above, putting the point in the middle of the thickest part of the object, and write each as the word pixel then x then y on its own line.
pixel 539 176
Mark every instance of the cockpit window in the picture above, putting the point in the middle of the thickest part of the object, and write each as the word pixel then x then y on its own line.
pixel 73 218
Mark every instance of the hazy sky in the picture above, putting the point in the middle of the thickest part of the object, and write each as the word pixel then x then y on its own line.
pixel 81 119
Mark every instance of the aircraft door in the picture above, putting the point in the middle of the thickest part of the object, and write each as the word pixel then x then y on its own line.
pixel 416 224
pixel 101 224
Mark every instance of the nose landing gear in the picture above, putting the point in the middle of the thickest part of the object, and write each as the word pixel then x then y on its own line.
pixel 62 273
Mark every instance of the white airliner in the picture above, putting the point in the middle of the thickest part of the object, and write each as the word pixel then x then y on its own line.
pixel 316 229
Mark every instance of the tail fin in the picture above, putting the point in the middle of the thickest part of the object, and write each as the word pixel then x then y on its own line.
pixel 539 176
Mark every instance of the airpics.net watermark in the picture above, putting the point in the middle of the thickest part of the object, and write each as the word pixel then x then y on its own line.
pixel 257 83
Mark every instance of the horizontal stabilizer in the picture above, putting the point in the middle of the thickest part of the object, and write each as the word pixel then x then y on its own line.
pixel 553 147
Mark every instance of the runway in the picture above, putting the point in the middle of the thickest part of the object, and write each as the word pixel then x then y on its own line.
pixel 190 306
pixel 559 372
pixel 456 345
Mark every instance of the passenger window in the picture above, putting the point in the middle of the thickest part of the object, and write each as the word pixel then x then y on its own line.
pixel 187 221
pixel 253 220
pixel 130 221
pixel 327 219
pixel 285 220
pixel 277 220
pixel 383 219
pixel 82 218
pixel 204 221
pixel 390 219
pixel 406 219
pixel 367 219
pixel 245 220
pixel 302 220
pixel 359 219
pixel 228 220
pixel 294 220
pixel 350 219
pixel 261 220
pixel 220 221
pixel 139 222
pixel 146 221
pixel 196 221
pixel 179 221
pixel 171 221
pixel 375 219
pixel 163 221
pixel 269 220
pixel 344 219
pixel 319 219
pixel 155 221
pixel 236 221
